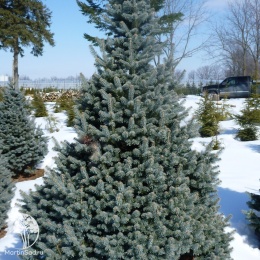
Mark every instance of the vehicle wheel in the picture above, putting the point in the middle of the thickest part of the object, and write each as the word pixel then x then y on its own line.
pixel 213 96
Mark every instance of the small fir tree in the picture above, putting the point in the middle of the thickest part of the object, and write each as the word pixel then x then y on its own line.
pixel 224 112
pixel 208 116
pixel 23 142
pixel 130 186
pixel 249 119
pixel 71 115
pixel 61 104
pixel 28 91
pixel 6 190
pixel 66 103
pixel 253 215
pixel 52 123
pixel 38 105
pixel 248 133
pixel 1 93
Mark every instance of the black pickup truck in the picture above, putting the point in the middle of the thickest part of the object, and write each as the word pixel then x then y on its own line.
pixel 233 87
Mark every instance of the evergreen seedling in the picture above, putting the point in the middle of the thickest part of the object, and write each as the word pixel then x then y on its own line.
pixel 1 93
pixel 66 103
pixel 52 124
pixel 38 105
pixel 130 186
pixel 249 119
pixel 208 116
pixel 71 115
pixel 61 104
pixel 248 133
pixel 223 111
pixel 216 144
pixel 23 142
pixel 28 91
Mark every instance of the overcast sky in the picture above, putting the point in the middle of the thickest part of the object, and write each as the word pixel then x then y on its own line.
pixel 71 54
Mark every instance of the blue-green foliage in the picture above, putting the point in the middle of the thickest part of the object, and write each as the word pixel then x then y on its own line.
pixel 253 215
pixel 23 142
pixel 6 190
pixel 130 186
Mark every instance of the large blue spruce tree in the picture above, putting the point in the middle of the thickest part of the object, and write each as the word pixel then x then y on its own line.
pixel 23 142
pixel 130 186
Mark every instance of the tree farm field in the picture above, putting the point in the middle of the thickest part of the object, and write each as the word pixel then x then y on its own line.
pixel 238 171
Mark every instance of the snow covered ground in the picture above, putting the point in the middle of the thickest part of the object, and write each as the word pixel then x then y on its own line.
pixel 239 173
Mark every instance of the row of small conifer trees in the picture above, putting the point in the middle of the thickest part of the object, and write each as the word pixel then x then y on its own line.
pixel 63 103
pixel 210 113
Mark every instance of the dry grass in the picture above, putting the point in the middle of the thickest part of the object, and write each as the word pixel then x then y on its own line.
pixel 3 231
pixel 37 174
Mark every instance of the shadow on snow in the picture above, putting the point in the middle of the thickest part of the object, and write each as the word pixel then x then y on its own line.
pixel 254 147
pixel 233 203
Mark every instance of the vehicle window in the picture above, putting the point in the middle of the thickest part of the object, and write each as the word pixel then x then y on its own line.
pixel 242 84
pixel 228 82
pixel 242 80
pixel 232 82
pixel 223 83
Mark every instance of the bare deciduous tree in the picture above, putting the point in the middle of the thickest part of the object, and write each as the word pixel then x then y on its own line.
pixel 239 28
pixel 184 30
pixel 192 75
pixel 254 44
pixel 236 40
pixel 209 73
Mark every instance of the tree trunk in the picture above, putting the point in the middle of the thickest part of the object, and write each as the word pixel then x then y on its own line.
pixel 15 66
pixel 256 68
pixel 244 63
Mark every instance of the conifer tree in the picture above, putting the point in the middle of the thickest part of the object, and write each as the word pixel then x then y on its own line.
pixel 70 114
pixel 6 190
pixel 66 103
pixel 208 117
pixel 130 186
pixel 253 215
pixel 249 119
pixel 23 24
pixel 38 105
pixel 23 142
pixel 1 94
pixel 94 10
